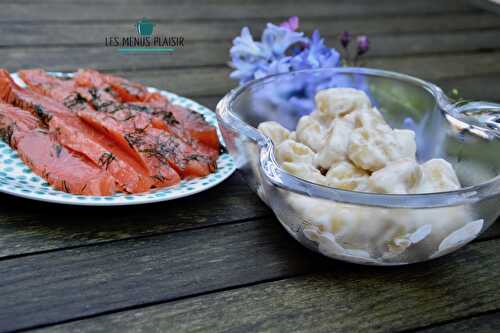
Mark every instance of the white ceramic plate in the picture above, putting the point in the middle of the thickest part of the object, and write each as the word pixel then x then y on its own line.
pixel 17 179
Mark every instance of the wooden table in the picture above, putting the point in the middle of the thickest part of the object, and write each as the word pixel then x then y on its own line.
pixel 220 261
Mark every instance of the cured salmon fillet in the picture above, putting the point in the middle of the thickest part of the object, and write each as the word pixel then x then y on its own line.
pixel 63 90
pixel 14 122
pixel 10 115
pixel 170 149
pixel 128 91
pixel 107 89
pixel 78 136
pixel 129 138
pixel 112 129
pixel 130 175
pixel 41 82
pixel 196 125
pixel 159 174
pixel 63 169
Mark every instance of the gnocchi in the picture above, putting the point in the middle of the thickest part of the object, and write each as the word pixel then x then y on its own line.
pixel 398 177
pixel 304 171
pixel 335 144
pixel 336 102
pixel 274 131
pixel 346 143
pixel 346 176
pixel 292 151
pixel 437 176
pixel 373 149
pixel 310 132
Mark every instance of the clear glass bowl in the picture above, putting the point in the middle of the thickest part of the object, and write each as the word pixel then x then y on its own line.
pixel 369 228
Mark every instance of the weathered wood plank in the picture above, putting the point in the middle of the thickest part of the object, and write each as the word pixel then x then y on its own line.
pixel 58 34
pixel 475 87
pixel 346 298
pixel 492 233
pixel 209 81
pixel 209 101
pixel 38 12
pixel 50 287
pixel 441 67
pixel 215 53
pixel 488 323
pixel 202 81
pixel 30 226
pixel 448 69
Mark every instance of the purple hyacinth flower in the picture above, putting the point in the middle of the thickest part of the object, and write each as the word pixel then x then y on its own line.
pixel 316 55
pixel 291 24
pixel 278 40
pixel 345 39
pixel 363 44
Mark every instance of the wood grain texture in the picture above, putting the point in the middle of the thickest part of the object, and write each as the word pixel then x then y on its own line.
pixel 345 298
pixel 57 286
pixel 482 87
pixel 488 323
pixel 219 261
pixel 216 53
pixel 453 70
pixel 63 11
pixel 61 34
pixel 214 80
pixel 30 226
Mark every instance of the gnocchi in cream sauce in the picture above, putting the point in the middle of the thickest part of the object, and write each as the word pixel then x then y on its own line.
pixel 346 143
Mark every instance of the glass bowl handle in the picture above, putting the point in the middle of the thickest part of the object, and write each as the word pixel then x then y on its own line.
pixel 480 118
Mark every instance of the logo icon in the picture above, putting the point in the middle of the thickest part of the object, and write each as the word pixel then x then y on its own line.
pixel 144 27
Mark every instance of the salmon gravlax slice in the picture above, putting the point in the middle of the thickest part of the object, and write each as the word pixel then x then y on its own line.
pixel 79 137
pixel 161 172
pixel 41 82
pixel 63 90
pixel 170 149
pixel 196 125
pixel 129 117
pixel 133 136
pixel 163 119
pixel 130 174
pixel 125 90
pixel 63 169
pixel 14 122
pixel 104 90
pixel 153 145
pixel 128 91
pixel 132 116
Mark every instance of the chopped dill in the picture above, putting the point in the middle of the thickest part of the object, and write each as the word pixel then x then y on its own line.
pixel 169 118
pixel 6 134
pixel 159 177
pixel 106 159
pixel 44 116
pixel 65 187
pixel 58 149
pixel 74 100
